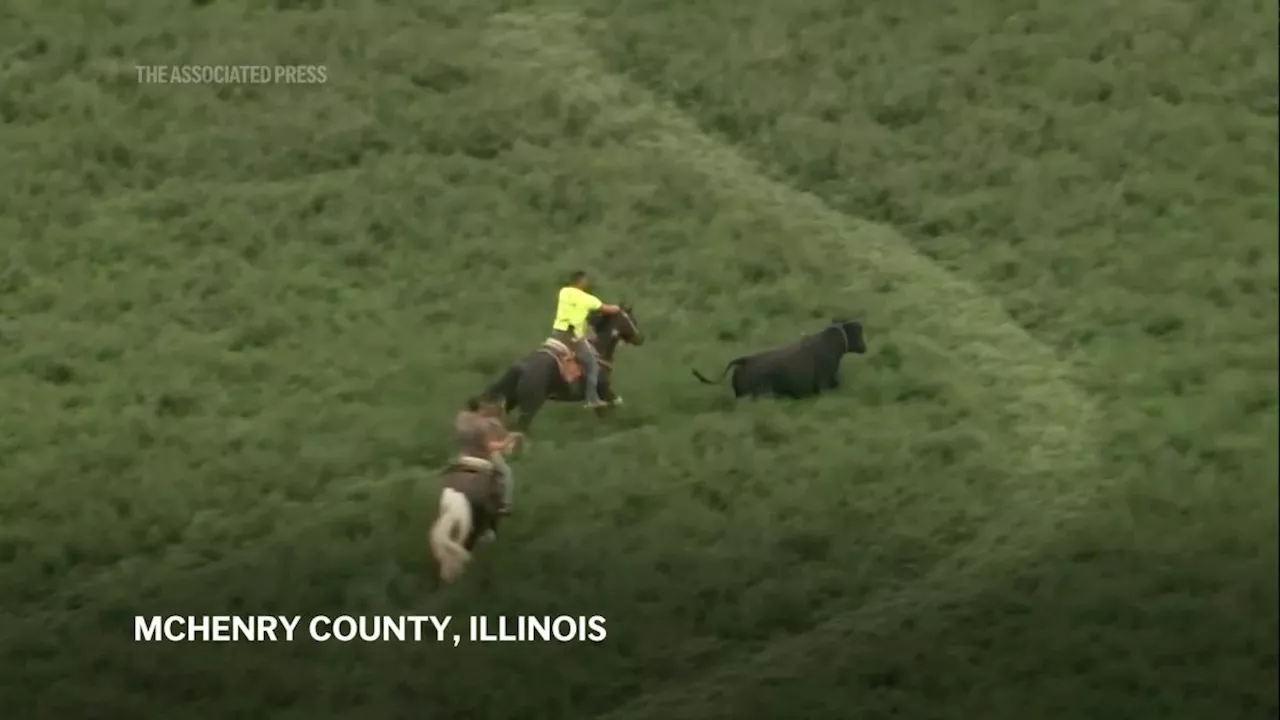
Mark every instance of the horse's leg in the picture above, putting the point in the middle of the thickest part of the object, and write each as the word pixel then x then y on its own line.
pixel 529 398
pixel 529 408
pixel 605 387
pixel 481 522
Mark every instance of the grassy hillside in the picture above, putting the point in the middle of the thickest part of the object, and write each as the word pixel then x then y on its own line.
pixel 235 322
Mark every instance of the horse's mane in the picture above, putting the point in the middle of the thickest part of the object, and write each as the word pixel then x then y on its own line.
pixel 596 319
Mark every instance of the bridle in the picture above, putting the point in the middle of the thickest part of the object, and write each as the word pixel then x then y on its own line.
pixel 632 323
pixel 616 332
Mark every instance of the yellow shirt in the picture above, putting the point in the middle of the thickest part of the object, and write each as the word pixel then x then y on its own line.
pixel 572 309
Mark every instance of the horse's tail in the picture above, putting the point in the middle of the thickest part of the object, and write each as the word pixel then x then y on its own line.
pixel 727 368
pixel 451 526
pixel 505 387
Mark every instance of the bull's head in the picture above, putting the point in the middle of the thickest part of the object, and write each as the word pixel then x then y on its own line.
pixel 852 331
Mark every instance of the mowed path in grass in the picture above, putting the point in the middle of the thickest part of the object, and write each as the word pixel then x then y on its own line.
pixel 1021 147
pixel 366 299
pixel 1059 473
pixel 797 449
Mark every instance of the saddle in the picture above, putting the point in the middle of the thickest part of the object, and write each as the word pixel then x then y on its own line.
pixel 484 494
pixel 468 463
pixel 566 358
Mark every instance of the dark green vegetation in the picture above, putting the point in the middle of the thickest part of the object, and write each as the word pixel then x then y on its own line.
pixel 236 322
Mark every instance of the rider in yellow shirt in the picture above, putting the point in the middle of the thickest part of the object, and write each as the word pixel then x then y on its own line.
pixel 570 328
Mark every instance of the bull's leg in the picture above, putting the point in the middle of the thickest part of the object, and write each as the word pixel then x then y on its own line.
pixel 794 387
pixel 779 384
pixel 827 372
pixel 821 381
pixel 809 381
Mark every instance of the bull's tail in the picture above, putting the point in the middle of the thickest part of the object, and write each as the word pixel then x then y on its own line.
pixel 732 363
pixel 451 528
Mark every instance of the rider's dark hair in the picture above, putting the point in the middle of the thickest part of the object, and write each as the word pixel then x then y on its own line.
pixel 473 404
pixel 577 276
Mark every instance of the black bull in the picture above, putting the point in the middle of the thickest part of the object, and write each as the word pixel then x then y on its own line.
pixel 536 378
pixel 806 367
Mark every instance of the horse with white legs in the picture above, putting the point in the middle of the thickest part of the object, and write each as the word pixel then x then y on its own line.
pixel 470 502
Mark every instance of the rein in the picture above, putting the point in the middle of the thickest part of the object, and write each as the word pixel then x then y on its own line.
pixel 609 363
pixel 627 316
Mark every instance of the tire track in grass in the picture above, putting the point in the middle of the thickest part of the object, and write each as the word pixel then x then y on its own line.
pixel 1043 408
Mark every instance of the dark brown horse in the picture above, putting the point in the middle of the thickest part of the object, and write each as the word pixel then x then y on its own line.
pixel 552 373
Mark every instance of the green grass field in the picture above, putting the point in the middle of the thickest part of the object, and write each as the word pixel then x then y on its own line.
pixel 236 321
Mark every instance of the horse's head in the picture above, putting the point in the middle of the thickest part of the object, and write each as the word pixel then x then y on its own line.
pixel 625 326
pixel 617 326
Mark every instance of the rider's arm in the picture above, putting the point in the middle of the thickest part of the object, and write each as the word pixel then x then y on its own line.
pixel 500 439
pixel 594 303
pixel 505 444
